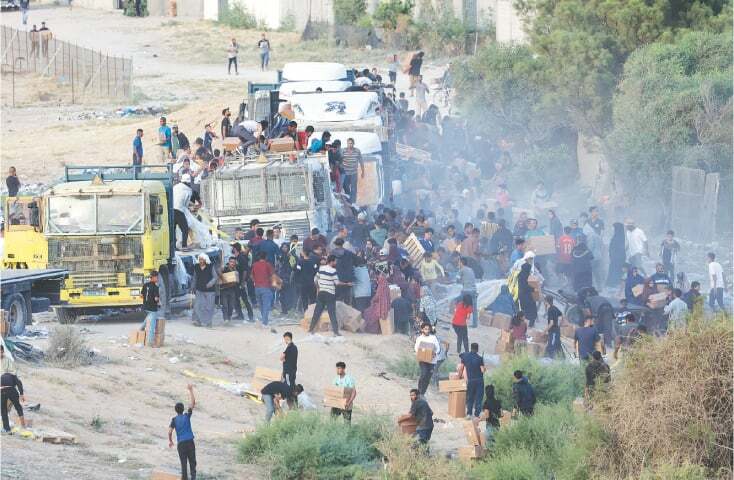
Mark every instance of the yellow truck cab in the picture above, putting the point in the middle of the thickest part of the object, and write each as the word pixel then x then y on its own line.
pixel 109 227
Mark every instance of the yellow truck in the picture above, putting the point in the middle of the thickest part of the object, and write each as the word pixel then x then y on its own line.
pixel 109 227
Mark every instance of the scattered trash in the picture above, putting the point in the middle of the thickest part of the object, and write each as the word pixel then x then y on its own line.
pixel 173 360
pixel 317 338
pixel 150 109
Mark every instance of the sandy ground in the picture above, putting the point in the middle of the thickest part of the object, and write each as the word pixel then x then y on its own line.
pixel 179 65
pixel 134 390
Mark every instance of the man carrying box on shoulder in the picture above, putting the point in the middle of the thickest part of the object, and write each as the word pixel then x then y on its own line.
pixel 344 381
pixel 426 345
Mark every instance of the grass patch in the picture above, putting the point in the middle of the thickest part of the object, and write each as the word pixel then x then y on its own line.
pixel 67 348
pixel 556 382
pixel 407 366
pixel 312 445
pixel 519 465
pixel 97 423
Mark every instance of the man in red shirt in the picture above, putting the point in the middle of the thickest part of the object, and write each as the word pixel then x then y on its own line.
pixel 262 277
pixel 303 138
pixel 463 309
pixel 565 246
pixel 314 240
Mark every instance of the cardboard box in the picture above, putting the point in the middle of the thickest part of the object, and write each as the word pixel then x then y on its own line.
pixel 501 321
pixel 387 325
pixel 160 332
pixel 268 374
pixel 230 144
pixel 230 278
pixel 340 403
pixel 457 404
pixel 280 145
pixel 637 290
pixel 568 330
pixel 158 340
pixel 407 424
pixel 472 433
pixel 160 474
pixel 425 352
pixel 447 386
pixel 543 245
pixel 337 392
pixel 657 300
pixel 485 318
pixel 505 344
pixel 538 336
pixel 472 452
pixel 136 337
pixel 506 418
pixel 453 375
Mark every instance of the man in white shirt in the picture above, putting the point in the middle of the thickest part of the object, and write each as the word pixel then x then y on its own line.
pixel 183 194
pixel 677 310
pixel 326 281
pixel 636 244
pixel 427 336
pixel 716 282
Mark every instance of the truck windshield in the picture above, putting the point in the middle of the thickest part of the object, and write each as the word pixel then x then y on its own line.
pixel 92 214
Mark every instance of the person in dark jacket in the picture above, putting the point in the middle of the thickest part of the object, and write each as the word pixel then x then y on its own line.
pixel 617 256
pixel 525 295
pixel 12 182
pixel 523 393
pixel 243 271
pixel 204 286
pixel 151 301
pixel 693 296
pixel 581 258
pixel 229 293
pixel 12 391
pixel 633 279
pixel 344 271
pixel 491 412
pixel 596 372
pixel 284 267
pixel 307 266
pixel 423 414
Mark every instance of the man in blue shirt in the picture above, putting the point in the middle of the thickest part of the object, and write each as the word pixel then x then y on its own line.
pixel 427 240
pixel 473 363
pixel 269 247
pixel 518 252
pixel 585 339
pixel 164 140
pixel 138 147
pixel 184 436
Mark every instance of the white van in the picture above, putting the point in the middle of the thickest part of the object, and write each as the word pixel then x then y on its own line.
pixel 371 187
pixel 306 77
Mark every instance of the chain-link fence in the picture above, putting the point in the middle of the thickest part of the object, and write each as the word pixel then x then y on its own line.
pixel 88 73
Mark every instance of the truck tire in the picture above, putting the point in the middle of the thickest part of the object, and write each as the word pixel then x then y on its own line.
pixel 18 315
pixel 66 315
pixel 164 291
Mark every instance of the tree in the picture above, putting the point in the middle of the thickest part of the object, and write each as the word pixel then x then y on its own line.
pixel 388 12
pixel 349 12
pixel 674 107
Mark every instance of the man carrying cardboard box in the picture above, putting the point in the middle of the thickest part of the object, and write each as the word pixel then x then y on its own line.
pixel 421 411
pixel 151 298
pixel 344 381
pixel 426 345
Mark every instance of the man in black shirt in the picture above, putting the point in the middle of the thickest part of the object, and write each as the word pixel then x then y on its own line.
pixel 243 270
pixel 274 392
pixel 289 357
pixel 423 414
pixel 307 266
pixel 491 411
pixel 473 363
pixel 553 348
pixel 12 391
pixel 596 371
pixel 151 299
pixel 402 314
pixel 226 123
pixel 12 182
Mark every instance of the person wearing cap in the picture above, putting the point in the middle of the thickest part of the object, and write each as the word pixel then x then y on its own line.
pixel 164 140
pixel 183 194
pixel 636 244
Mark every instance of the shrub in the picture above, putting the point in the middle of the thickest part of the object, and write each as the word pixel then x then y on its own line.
pixel 517 465
pixel 388 12
pixel 348 12
pixel 312 445
pixel 553 382
pixel 288 24
pixel 406 366
pixel 671 403
pixel 400 454
pixel 67 348
pixel 237 16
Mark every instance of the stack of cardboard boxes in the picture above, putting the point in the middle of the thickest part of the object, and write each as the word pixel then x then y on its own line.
pixel 336 397
pixel 456 388
pixel 140 337
pixel 262 377
pixel 477 442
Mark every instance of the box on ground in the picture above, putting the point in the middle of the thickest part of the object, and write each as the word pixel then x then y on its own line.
pixel 136 337
pixel 471 431
pixel 451 385
pixel 535 349
pixel 501 321
pixel 160 332
pixel 472 452
pixel 505 344
pixel 268 374
pixel 457 404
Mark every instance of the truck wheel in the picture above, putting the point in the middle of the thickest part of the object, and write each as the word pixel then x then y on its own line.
pixel 164 292
pixel 17 309
pixel 66 315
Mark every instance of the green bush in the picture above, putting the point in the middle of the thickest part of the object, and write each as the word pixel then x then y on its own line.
pixel 387 12
pixel 556 382
pixel 682 472
pixel 407 366
pixel 237 16
pixel 313 445
pixel 517 465
pixel 288 24
pixel 348 12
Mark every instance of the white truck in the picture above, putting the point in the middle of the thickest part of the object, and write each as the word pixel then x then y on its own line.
pixel 291 189
pixel 306 77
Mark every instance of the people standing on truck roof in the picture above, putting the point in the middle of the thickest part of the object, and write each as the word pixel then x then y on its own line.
pixel 181 423
pixel 264 46
pixel 232 50
pixel 262 277
pixel 205 281
pixel 183 194
pixel 164 141
pixel 226 124
pixel 12 182
pixel 138 147
pixel 151 300
pixel 326 283
pixel 351 161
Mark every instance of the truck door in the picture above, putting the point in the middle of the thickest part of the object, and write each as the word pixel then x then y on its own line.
pixel 159 228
